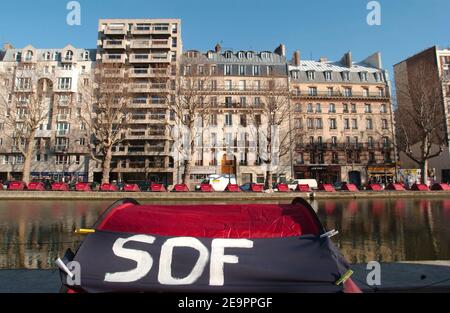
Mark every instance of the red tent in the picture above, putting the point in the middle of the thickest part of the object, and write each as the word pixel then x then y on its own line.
pixel 395 187
pixel 233 188
pixel 349 187
pixel 180 188
pixel 257 188
pixel 440 187
pixel 275 248
pixel 36 186
pixel 157 188
pixel 60 187
pixel 206 188
pixel 420 187
pixel 326 188
pixel 283 188
pixel 108 187
pixel 374 187
pixel 83 186
pixel 303 188
pixel 131 188
pixel 17 185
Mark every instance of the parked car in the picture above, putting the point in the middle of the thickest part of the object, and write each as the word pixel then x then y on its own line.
pixel 219 182
pixel 312 183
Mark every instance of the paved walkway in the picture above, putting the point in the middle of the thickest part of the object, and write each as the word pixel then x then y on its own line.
pixel 395 277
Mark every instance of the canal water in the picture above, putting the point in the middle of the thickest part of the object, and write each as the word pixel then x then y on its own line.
pixel 34 233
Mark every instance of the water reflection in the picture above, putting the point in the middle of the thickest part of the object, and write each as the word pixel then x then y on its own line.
pixel 34 233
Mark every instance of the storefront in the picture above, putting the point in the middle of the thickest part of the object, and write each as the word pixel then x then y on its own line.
pixel 323 174
pixel 381 174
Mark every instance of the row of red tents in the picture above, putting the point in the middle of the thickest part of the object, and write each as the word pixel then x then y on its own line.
pixel 86 187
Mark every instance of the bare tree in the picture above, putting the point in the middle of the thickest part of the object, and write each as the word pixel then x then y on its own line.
pixel 189 107
pixel 107 114
pixel 25 103
pixel 420 118
pixel 272 125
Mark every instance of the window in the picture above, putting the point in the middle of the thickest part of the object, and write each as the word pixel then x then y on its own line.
pixel 213 120
pixel 228 85
pixel 47 56
pixel 311 75
pixel 257 85
pixel 346 76
pixel 347 92
pixel 213 70
pixel 228 54
pixel 365 92
pixel 294 74
pixel 369 124
pixel 228 119
pixel 241 70
pixel 228 70
pixel 333 124
pixel 381 92
pixel 243 102
pixel 62 160
pixel 310 123
pixel 318 108
pixel 345 108
pixel 257 102
pixel 370 142
pixel 174 42
pixel 298 123
pixel 64 83
pixel 29 55
pixel 346 123
pixel 298 107
pixel 367 108
pixel 319 123
pixel 77 159
pixel 363 76
pixel 332 108
pixel 353 108
pixel 384 124
pixel 243 120
pixel 255 70
pixel 330 91
pixel 334 140
pixel 242 85
pixel 228 102
pixel 24 83
pixel 82 141
pixel 328 76
pixel 354 123
pixel 383 108
pixel 310 108
pixel 69 55
pixel 312 91
pixel 241 55
pixel 335 158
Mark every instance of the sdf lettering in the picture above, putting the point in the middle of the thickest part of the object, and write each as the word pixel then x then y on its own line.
pixel 144 260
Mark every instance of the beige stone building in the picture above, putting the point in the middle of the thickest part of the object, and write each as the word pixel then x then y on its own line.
pixel 61 142
pixel 344 114
pixel 438 67
pixel 150 48
pixel 238 83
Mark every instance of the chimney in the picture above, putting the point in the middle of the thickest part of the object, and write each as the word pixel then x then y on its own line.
pixel 218 48
pixel 296 58
pixel 323 60
pixel 281 50
pixel 347 60
pixel 7 46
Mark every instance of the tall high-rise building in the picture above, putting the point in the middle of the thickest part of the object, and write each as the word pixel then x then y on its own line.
pixel 150 49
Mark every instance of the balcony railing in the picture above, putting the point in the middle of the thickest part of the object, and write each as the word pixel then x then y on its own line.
pixel 337 94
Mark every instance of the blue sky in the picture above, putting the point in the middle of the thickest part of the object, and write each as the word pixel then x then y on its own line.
pixel 318 28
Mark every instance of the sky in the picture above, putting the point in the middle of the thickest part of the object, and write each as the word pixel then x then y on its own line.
pixel 317 28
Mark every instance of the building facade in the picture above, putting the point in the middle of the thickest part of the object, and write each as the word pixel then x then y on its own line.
pixel 438 72
pixel 238 83
pixel 62 141
pixel 344 116
pixel 150 50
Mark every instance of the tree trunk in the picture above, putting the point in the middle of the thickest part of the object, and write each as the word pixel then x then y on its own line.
pixel 28 157
pixel 424 168
pixel 269 179
pixel 106 166
pixel 187 172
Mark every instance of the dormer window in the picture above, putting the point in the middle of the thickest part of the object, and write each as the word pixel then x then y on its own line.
pixel 69 55
pixel 18 56
pixel 311 75
pixel 265 55
pixel 378 77
pixel 363 76
pixel 346 75
pixel 328 75
pixel 241 55
pixel 56 56
pixel 228 54
pixel 86 56
pixel 29 55
pixel 210 55
pixel 294 74
pixel 249 55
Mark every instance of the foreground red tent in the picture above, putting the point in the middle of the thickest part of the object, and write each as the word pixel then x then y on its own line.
pixel 209 248
pixel 83 186
pixel 326 188
pixel 131 188
pixel 395 187
pixel 206 188
pixel 420 187
pixel 157 188
pixel 60 187
pixel 349 187
pixel 374 187
pixel 440 187
pixel 108 188
pixel 233 188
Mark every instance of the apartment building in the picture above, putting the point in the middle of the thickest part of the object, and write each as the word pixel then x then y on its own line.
pixel 437 62
pixel 150 50
pixel 238 82
pixel 344 117
pixel 61 147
